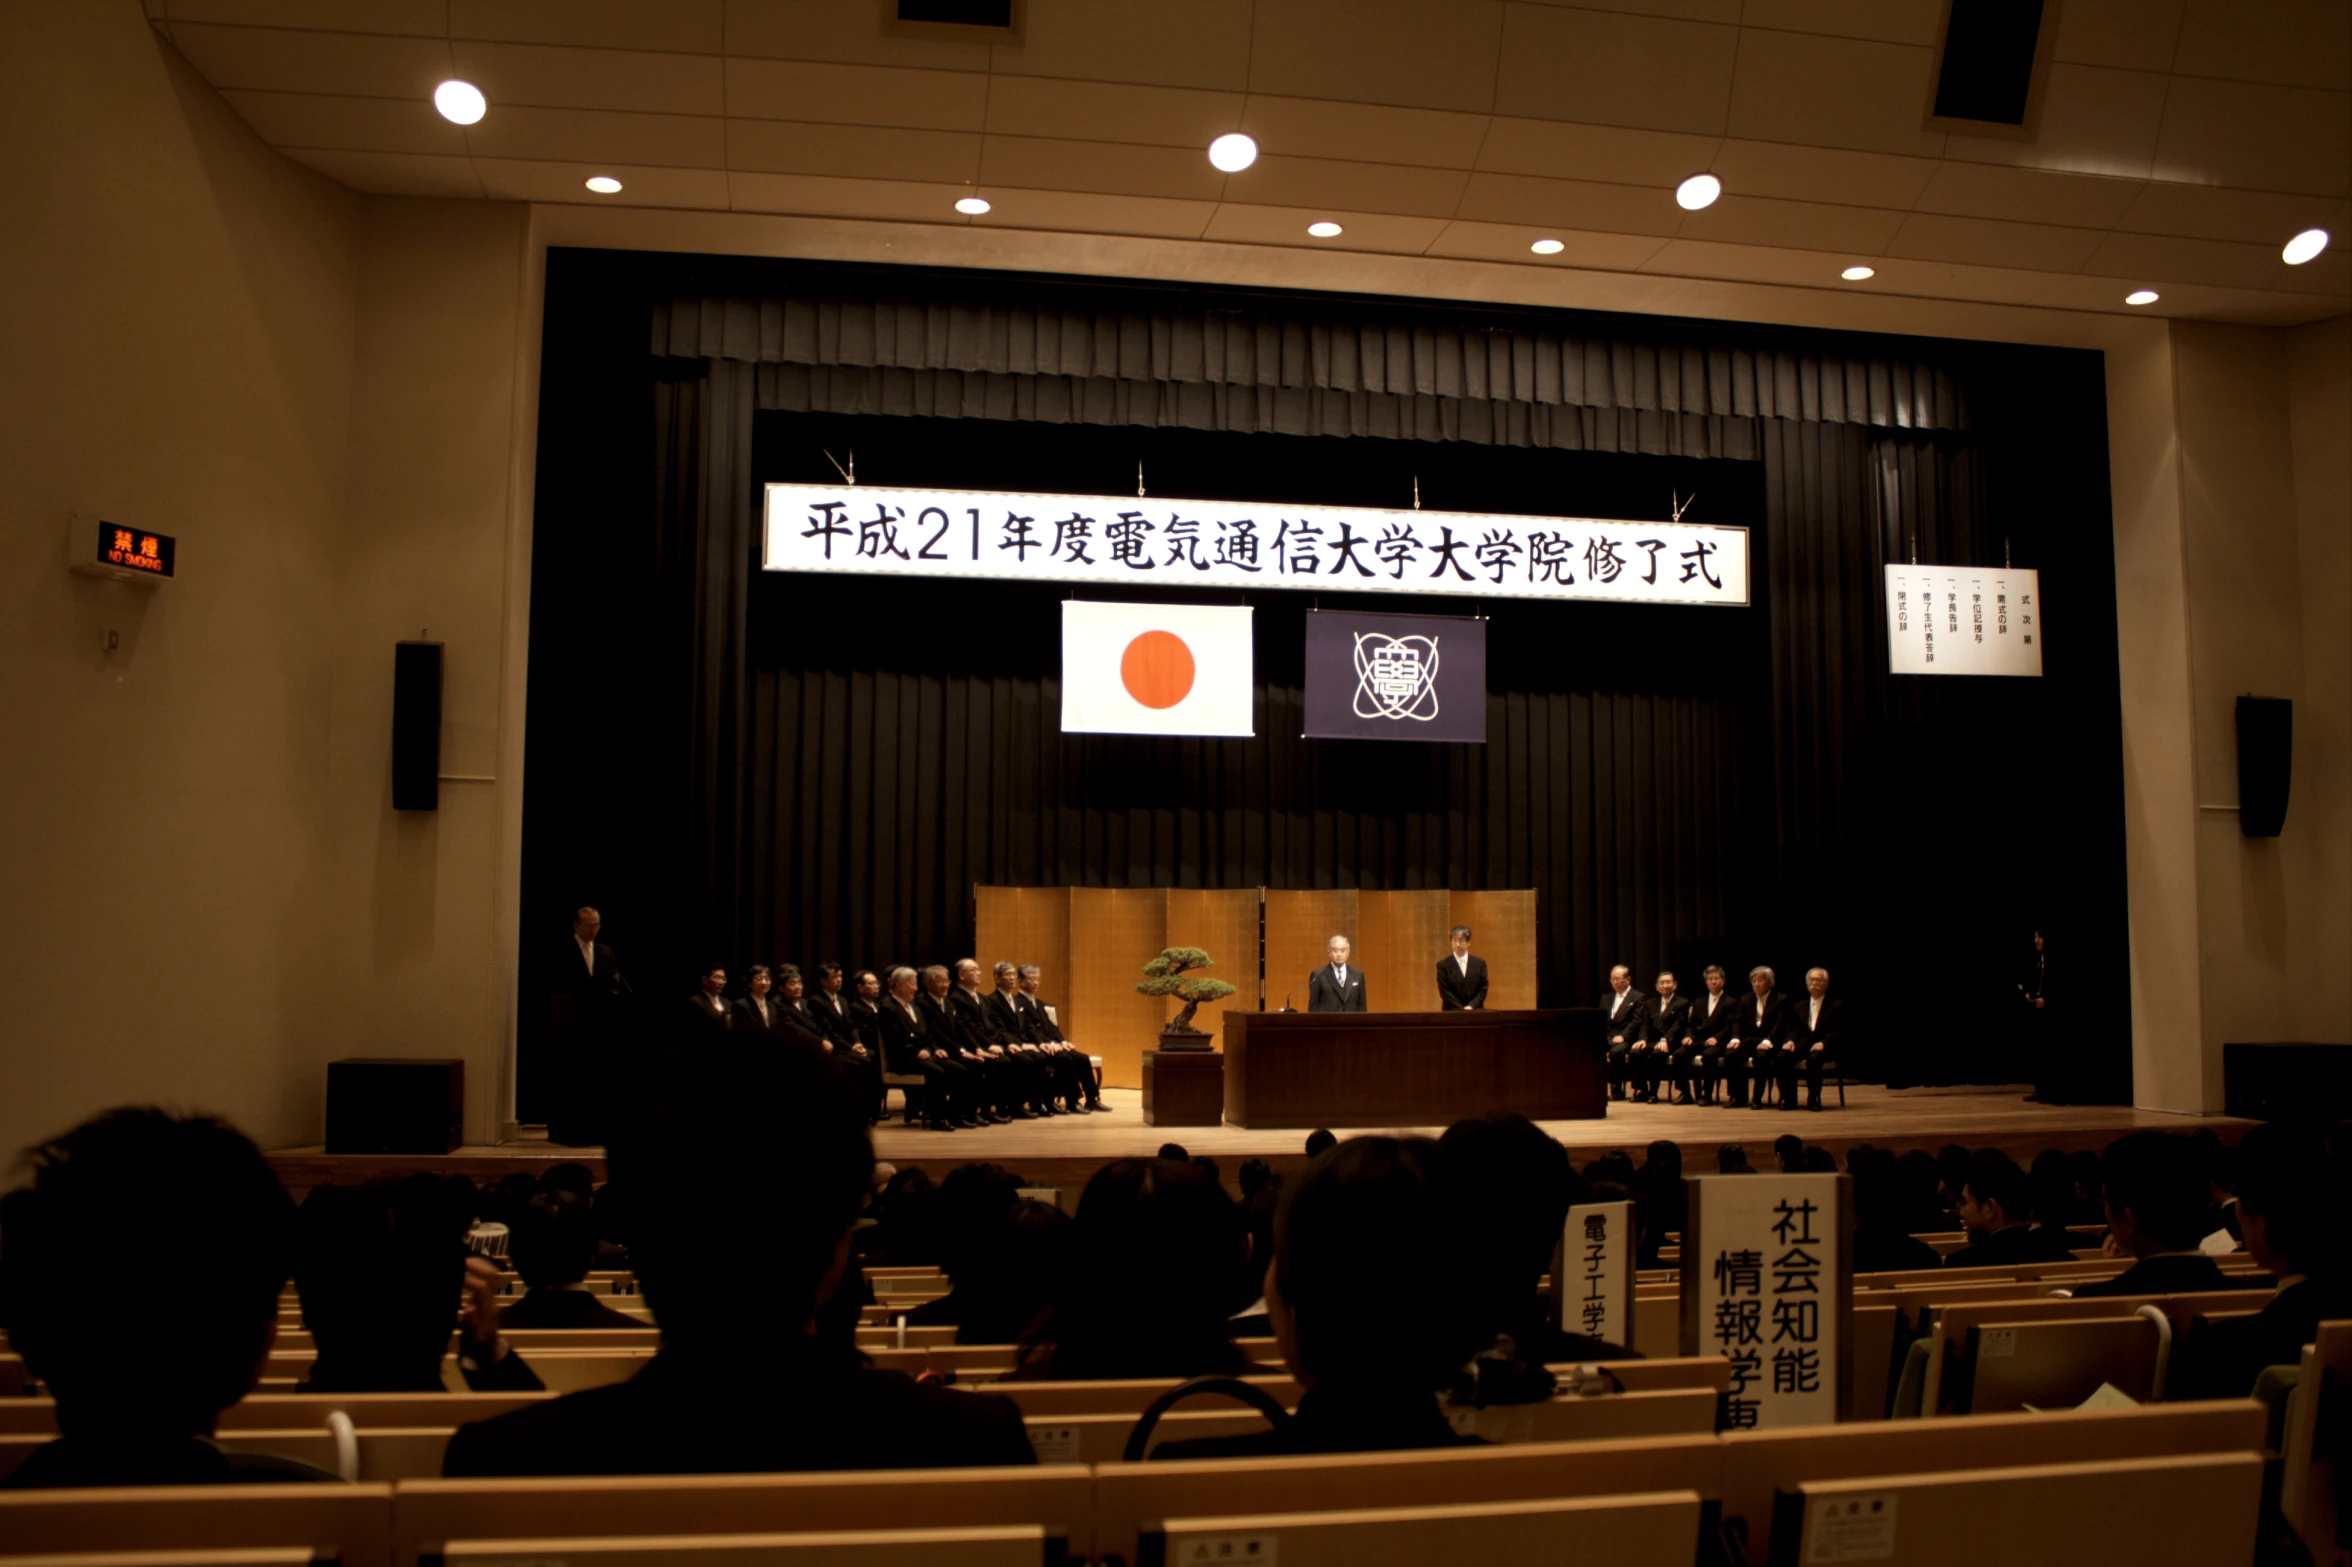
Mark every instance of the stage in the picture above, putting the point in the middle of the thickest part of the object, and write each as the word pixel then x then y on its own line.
pixel 1065 1150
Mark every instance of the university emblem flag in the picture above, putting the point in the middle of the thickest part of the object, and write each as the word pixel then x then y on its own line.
pixel 1395 677
pixel 1155 669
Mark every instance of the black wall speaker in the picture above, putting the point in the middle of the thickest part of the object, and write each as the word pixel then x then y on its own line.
pixel 2266 758
pixel 376 1105
pixel 416 726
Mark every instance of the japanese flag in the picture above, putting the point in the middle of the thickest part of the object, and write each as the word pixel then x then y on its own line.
pixel 1155 669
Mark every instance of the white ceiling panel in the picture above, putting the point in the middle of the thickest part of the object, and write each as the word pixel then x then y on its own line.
pixel 1653 73
pixel 1378 51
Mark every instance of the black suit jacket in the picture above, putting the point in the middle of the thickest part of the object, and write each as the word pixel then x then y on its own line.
pixel 746 1015
pixel 2223 1359
pixel 565 1309
pixel 1805 1034
pixel 1041 1027
pixel 573 975
pixel 980 1025
pixel 798 1022
pixel 1714 1030
pixel 1666 1021
pixel 1630 1019
pixel 705 1016
pixel 1325 995
pixel 902 1035
pixel 2019 1243
pixel 1457 991
pixel 1751 1033
pixel 865 1024
pixel 1006 1018
pixel 834 1021
pixel 800 1404
pixel 2176 1273
pixel 946 1022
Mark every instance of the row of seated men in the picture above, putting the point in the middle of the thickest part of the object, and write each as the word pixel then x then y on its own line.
pixel 1391 1262
pixel 1747 1044
pixel 984 1056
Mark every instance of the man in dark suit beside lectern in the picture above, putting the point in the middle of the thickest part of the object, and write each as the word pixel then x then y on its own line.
pixel 1461 978
pixel 1336 987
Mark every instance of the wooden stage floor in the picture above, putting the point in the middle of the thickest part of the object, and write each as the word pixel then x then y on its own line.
pixel 1063 1151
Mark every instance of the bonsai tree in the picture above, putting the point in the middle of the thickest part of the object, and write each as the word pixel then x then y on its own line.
pixel 1165 976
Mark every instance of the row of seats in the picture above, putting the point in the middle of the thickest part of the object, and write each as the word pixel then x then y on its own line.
pixel 2159 1485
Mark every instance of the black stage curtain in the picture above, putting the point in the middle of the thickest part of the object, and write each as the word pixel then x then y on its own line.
pixel 740 766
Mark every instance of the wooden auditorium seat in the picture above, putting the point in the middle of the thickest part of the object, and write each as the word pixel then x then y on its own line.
pixel 1651 1529
pixel 237 1556
pixel 1949 1335
pixel 2058 1364
pixel 350 1523
pixel 2197 1510
pixel 1018 1545
pixel 429 1514
pixel 2313 1460
pixel 1685 1411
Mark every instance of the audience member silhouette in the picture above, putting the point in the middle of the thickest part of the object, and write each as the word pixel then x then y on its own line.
pixel 553 1243
pixel 2156 1214
pixel 2291 1193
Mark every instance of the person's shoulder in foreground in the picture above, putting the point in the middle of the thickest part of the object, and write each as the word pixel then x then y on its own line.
pixel 740 1187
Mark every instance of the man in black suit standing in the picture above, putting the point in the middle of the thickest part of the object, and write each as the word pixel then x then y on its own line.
pixel 1698 1054
pixel 1336 987
pixel 1758 1030
pixel 1666 1022
pixel 1812 1040
pixel 1461 979
pixel 1627 1015
pixel 583 1027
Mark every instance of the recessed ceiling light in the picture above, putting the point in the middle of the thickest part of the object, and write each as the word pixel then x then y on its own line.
pixel 1858 274
pixel 1325 230
pixel 2304 246
pixel 2141 296
pixel 971 206
pixel 604 185
pixel 1700 190
pixel 1233 152
pixel 460 103
pixel 1547 247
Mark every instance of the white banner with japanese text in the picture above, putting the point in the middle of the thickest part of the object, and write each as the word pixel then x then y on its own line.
pixel 1594 1276
pixel 1963 620
pixel 1767 1283
pixel 865 530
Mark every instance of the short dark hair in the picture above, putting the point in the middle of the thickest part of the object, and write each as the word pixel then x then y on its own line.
pixel 1514 1187
pixel 554 1239
pixel 378 1267
pixel 2153 1176
pixel 754 972
pixel 124 1204
pixel 828 967
pixel 1368 1252
pixel 1462 931
pixel 742 1179
pixel 2287 1178
pixel 1992 1176
pixel 1173 1151
pixel 1320 1140
pixel 1715 969
pixel 569 1176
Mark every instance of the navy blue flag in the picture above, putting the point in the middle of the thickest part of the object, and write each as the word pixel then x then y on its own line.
pixel 1395 677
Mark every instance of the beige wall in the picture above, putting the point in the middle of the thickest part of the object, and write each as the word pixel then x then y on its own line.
pixel 2319 808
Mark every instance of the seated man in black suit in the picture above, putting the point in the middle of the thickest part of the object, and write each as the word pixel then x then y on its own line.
pixel 1461 977
pixel 755 1009
pixel 117 1207
pixel 743 1190
pixel 2156 1197
pixel 1022 1063
pixel 554 1242
pixel 2292 1207
pixel 845 1042
pixel 910 1049
pixel 1042 1026
pixel 1996 1208
pixel 1666 1013
pixel 1626 1015
pixel 1367 1303
pixel 800 1021
pixel 1698 1053
pixel 1068 1076
pixel 1758 1028
pixel 707 1013
pixel 1812 1040
pixel 1336 987
pixel 993 1094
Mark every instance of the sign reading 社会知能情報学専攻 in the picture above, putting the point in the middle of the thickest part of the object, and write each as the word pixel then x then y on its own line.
pixel 902 534
pixel 1767 1283
pixel 1395 677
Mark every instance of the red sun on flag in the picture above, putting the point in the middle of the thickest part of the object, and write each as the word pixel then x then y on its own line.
pixel 1157 669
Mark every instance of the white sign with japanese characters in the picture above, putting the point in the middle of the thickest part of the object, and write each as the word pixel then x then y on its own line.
pixel 1767 1283
pixel 1963 620
pixel 864 530
pixel 1595 1272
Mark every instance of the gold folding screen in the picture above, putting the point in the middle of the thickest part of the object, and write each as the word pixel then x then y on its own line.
pixel 1092 943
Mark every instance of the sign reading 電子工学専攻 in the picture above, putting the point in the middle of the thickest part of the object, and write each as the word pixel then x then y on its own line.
pixel 867 530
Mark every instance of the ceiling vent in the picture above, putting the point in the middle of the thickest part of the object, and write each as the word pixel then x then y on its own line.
pixel 971 21
pixel 1991 61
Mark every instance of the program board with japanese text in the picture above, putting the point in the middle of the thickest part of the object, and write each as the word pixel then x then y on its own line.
pixel 1963 620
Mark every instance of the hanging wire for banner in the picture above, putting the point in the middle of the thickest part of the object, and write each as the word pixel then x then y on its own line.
pixel 1681 505
pixel 848 474
pixel 1139 478
pixel 1416 492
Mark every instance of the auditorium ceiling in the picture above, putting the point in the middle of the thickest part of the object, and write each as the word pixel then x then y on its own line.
pixel 2176 146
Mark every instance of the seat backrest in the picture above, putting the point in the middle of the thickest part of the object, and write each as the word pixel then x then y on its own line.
pixel 1873 1355
pixel 2309 1468
pixel 1006 1546
pixel 427 1514
pixel 1672 1411
pixel 1948 1339
pixel 237 1556
pixel 1657 1529
pixel 1044 1400
pixel 309 1411
pixel 1756 1464
pixel 1127 1496
pixel 2056 1365
pixel 1667 1371
pixel 1102 1439
pixel 2198 1508
pixel 351 1522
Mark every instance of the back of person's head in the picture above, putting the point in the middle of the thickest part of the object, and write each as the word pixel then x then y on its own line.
pixel 1922 1186
pixel 970 1201
pixel 1992 1176
pixel 1368 1256
pixel 744 1180
pixel 1952 1162
pixel 140 1270
pixel 1789 1149
pixel 1254 1174
pixel 2088 1172
pixel 1513 1188
pixel 554 1239
pixel 1016 1266
pixel 2053 1189
pixel 2153 1176
pixel 2292 1187
pixel 1173 1151
pixel 1665 1153
pixel 1613 1167
pixel 1732 1159
pixel 1878 1193
pixel 1321 1140
pixel 1819 1161
pixel 1150 1288
pixel 379 1268
pixel 570 1176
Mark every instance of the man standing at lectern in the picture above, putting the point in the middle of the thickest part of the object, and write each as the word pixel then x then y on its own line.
pixel 1461 979
pixel 1336 987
